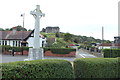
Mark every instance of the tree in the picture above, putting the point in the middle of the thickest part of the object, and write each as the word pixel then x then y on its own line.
pixel 1 29
pixel 57 35
pixel 29 30
pixel 19 28
pixel 68 37
pixel 76 40
pixel 7 29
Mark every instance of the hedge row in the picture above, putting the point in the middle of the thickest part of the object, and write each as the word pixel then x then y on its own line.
pixel 111 53
pixel 83 68
pixel 38 69
pixel 16 49
pixel 53 50
pixel 60 50
pixel 97 68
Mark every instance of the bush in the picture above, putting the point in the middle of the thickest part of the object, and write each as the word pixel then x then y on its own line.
pixel 60 50
pixel 96 68
pixel 38 69
pixel 111 53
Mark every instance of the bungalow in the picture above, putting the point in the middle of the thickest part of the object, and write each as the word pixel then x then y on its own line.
pixel 19 38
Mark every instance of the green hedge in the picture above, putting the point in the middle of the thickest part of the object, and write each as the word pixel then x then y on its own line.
pixel 119 67
pixel 53 50
pixel 60 50
pixel 111 53
pixel 38 69
pixel 16 49
pixel 96 68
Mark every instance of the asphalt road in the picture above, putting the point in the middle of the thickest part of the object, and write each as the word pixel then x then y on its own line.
pixel 82 54
pixel 79 54
pixel 10 58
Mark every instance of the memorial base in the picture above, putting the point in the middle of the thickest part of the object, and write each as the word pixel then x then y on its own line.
pixel 35 54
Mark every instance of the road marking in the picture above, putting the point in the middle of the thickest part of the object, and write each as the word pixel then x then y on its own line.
pixel 82 55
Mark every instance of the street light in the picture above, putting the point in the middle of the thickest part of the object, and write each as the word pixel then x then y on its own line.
pixel 22 15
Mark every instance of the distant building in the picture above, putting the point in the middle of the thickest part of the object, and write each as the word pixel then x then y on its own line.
pixel 117 40
pixel 50 29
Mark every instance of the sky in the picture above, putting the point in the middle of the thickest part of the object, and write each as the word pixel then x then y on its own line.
pixel 79 17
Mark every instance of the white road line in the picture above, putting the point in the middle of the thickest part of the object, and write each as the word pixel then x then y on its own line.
pixel 82 55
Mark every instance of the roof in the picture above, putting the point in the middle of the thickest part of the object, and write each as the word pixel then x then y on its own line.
pixel 14 35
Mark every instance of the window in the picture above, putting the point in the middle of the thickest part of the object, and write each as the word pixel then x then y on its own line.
pixel 2 42
pixel 16 43
pixel 19 43
pixel 13 43
pixel 5 42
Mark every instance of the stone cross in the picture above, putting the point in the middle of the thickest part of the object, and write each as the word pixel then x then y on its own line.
pixel 37 14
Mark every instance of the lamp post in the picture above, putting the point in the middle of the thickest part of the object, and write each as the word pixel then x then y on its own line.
pixel 22 15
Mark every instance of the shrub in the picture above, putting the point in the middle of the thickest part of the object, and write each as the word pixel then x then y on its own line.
pixel 38 69
pixel 96 68
pixel 111 53
pixel 60 50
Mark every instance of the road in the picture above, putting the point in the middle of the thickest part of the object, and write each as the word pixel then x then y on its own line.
pixel 83 54
pixel 10 58
pixel 79 54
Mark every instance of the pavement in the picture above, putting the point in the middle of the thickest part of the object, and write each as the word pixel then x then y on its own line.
pixel 79 54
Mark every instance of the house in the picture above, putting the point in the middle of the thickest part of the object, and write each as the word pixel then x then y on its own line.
pixel 19 38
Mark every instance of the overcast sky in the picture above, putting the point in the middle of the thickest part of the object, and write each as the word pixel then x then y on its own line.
pixel 80 17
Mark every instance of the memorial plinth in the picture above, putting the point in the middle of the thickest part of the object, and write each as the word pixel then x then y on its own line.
pixel 35 53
